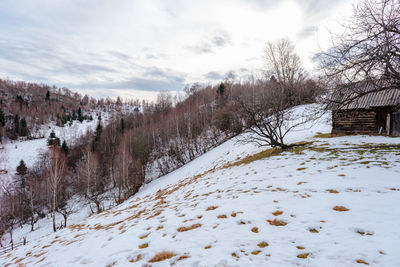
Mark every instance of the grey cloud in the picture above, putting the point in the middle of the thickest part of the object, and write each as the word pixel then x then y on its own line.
pixel 307 31
pixel 218 41
pixel 213 75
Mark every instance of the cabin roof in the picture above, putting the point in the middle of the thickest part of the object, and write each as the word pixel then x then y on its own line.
pixel 366 94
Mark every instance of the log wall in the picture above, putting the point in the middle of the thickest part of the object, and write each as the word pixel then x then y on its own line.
pixel 354 121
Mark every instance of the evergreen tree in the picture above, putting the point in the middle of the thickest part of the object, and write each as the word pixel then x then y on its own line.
pixel 221 89
pixel 80 116
pixel 48 95
pixel 53 140
pixel 64 147
pixel 24 127
pixel 21 168
pixel 2 118
pixel 122 125
pixel 16 124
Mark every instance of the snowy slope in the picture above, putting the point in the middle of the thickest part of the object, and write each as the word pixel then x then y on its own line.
pixel 219 211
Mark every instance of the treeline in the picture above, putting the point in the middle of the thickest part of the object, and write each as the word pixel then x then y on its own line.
pixel 112 163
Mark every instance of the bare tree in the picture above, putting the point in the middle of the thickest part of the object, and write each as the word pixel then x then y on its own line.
pixel 368 49
pixel 284 66
pixel 55 173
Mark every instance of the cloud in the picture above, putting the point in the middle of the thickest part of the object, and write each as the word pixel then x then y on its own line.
pixel 307 31
pixel 219 40
pixel 213 75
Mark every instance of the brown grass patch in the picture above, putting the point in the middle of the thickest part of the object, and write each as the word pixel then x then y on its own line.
pixel 340 208
pixel 222 216
pixel 138 258
pixel 256 252
pixel 145 245
pixel 207 247
pixel 300 247
pixel 322 135
pixel 362 262
pixel 313 230
pixel 276 222
pixel 165 255
pixel 301 169
pixel 143 236
pixel 235 255
pixel 193 226
pixel 263 244
pixel 211 208
pixel 254 230
pixel 303 256
pixel 260 155
pixel 277 213
pixel 183 257
pixel 332 191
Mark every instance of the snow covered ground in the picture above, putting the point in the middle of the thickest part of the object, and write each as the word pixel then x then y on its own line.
pixel 331 202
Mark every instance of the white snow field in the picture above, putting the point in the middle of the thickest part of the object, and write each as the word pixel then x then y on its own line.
pixel 331 202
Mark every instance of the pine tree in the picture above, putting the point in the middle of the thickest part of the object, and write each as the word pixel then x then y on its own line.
pixel 122 125
pixel 53 140
pixel 48 95
pixel 21 168
pixel 80 117
pixel 221 89
pixel 24 127
pixel 64 147
pixel 16 124
pixel 2 118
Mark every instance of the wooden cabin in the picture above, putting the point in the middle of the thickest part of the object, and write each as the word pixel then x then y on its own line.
pixel 377 112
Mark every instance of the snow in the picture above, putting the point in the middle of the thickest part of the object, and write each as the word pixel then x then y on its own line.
pixel 361 172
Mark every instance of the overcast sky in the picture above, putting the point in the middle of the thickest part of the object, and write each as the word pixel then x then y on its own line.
pixel 136 48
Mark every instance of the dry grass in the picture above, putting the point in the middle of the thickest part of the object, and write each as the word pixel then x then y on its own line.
pixel 143 236
pixel 211 208
pixel 207 247
pixel 145 245
pixel 301 169
pixel 322 135
pixel 313 230
pixel 332 191
pixel 276 222
pixel 254 230
pixel 362 262
pixel 256 252
pixel 340 208
pixel 165 255
pixel 277 213
pixel 261 155
pixel 235 255
pixel 300 247
pixel 138 258
pixel 262 244
pixel 183 257
pixel 222 216
pixel 193 226
pixel 303 256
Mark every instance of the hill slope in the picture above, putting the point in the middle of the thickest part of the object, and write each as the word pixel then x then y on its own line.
pixel 332 202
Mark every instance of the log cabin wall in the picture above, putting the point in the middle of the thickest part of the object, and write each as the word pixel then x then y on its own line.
pixel 354 121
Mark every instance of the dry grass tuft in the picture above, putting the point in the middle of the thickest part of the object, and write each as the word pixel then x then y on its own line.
pixel 301 169
pixel 183 257
pixel 184 229
pixel 165 255
pixel 313 230
pixel 138 258
pixel 340 208
pixel 362 262
pixel 300 247
pixel 256 252
pixel 277 213
pixel 207 247
pixel 303 256
pixel 263 244
pixel 235 255
pixel 332 191
pixel 143 236
pixel 211 208
pixel 145 245
pixel 222 216
pixel 276 222
pixel 254 230
pixel 322 135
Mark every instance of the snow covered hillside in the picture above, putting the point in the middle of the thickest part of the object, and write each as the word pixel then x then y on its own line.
pixel 329 202
pixel 28 150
